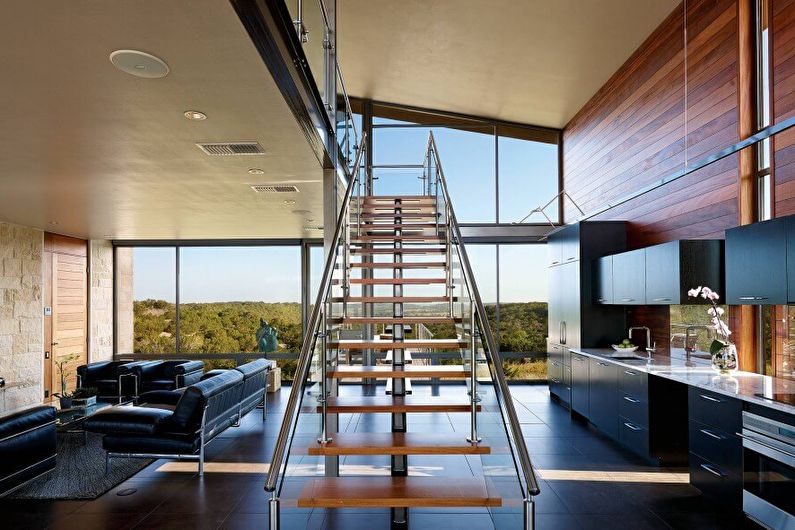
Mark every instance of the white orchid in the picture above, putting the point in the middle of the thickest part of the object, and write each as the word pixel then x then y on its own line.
pixel 715 312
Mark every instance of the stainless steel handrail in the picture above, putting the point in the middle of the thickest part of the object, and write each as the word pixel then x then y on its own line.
pixel 307 348
pixel 513 420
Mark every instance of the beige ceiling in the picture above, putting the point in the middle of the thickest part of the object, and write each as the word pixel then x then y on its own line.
pixel 528 61
pixel 90 151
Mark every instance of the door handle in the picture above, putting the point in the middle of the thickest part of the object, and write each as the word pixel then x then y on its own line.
pixel 46 355
pixel 627 299
pixel 661 299
pixel 630 372
pixel 565 332
pixel 710 398
pixel 631 400
pixel 54 343
pixel 752 297
pixel 630 426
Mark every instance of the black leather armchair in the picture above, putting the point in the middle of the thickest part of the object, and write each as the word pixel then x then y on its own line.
pixel 203 411
pixel 27 446
pixel 112 379
pixel 169 375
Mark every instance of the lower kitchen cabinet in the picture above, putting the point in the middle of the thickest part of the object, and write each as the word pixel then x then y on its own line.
pixel 716 452
pixel 603 396
pixel 580 399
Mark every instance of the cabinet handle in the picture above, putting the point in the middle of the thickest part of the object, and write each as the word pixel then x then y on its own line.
pixel 555 263
pixel 601 300
pixel 752 297
pixel 630 426
pixel 661 300
pixel 710 398
pixel 627 299
pixel 602 364
pixel 712 470
pixel 630 372
pixel 571 258
pixel 631 400
pixel 712 434
pixel 556 381
pixel 576 358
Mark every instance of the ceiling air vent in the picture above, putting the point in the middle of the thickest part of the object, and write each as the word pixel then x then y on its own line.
pixel 232 148
pixel 262 188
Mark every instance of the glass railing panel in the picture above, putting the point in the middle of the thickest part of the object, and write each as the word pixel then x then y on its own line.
pixel 315 34
pixel 300 466
pixel 499 468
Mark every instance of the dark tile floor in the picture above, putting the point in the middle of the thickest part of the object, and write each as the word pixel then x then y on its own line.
pixel 587 482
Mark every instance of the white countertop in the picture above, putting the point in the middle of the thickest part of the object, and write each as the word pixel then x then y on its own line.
pixel 699 373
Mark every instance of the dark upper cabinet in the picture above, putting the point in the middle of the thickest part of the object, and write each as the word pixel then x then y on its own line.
pixel 756 263
pixel 674 268
pixel 569 298
pixel 603 280
pixel 564 245
pixel 629 277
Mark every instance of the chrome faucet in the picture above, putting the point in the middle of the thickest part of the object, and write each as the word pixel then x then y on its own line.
pixel 650 348
pixel 688 349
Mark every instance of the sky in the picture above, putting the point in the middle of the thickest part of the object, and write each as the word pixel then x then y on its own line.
pixel 527 178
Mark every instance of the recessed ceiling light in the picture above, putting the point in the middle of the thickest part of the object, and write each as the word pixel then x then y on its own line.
pixel 311 228
pixel 256 171
pixel 195 115
pixel 139 64
pixel 309 220
pixel 289 201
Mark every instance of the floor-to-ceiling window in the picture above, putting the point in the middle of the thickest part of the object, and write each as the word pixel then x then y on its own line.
pixel 191 300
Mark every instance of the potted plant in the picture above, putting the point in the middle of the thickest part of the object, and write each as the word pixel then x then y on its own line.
pixel 84 396
pixel 722 350
pixel 64 397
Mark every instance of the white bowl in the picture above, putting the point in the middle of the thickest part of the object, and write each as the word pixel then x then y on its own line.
pixel 624 350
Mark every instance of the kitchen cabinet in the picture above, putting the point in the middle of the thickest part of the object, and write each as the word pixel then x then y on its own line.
pixel 629 277
pixel 756 263
pixel 674 268
pixel 603 280
pixel 716 452
pixel 603 396
pixel 559 372
pixel 580 399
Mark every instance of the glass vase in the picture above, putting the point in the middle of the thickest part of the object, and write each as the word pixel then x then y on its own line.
pixel 725 359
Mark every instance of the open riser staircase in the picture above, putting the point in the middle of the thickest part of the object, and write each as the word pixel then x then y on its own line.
pixel 397 304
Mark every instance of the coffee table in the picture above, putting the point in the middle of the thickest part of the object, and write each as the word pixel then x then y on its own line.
pixel 71 420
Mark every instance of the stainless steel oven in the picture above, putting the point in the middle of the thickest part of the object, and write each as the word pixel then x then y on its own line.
pixel 769 471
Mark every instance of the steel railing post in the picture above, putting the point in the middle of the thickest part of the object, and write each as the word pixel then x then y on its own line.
pixel 529 513
pixel 473 391
pixel 323 336
pixel 273 512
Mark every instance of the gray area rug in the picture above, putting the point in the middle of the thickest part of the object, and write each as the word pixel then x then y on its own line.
pixel 80 471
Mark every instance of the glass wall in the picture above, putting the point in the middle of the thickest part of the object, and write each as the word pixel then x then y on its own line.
pixel 146 300
pixel 477 161
pixel 211 300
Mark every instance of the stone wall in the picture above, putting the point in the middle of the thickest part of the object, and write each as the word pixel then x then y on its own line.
pixel 101 301
pixel 21 309
pixel 124 299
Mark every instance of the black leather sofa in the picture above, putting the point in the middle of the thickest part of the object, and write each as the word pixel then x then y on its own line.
pixel 202 411
pixel 168 375
pixel 254 383
pixel 27 446
pixel 112 379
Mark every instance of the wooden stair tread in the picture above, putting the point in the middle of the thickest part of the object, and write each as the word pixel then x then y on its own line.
pixel 392 299
pixel 395 215
pixel 395 281
pixel 375 404
pixel 389 207
pixel 398 197
pixel 414 250
pixel 398 265
pixel 392 226
pixel 413 370
pixel 396 320
pixel 408 492
pixel 358 344
pixel 393 237
pixel 398 443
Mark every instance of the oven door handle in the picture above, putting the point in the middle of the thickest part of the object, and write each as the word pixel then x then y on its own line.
pixel 756 440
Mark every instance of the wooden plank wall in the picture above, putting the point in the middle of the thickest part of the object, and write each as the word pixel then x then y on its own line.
pixel 657 112
pixel 667 105
pixel 783 103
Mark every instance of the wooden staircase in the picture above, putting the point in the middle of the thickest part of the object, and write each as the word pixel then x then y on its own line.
pixel 389 237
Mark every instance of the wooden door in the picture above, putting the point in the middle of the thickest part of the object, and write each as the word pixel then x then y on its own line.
pixel 66 309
